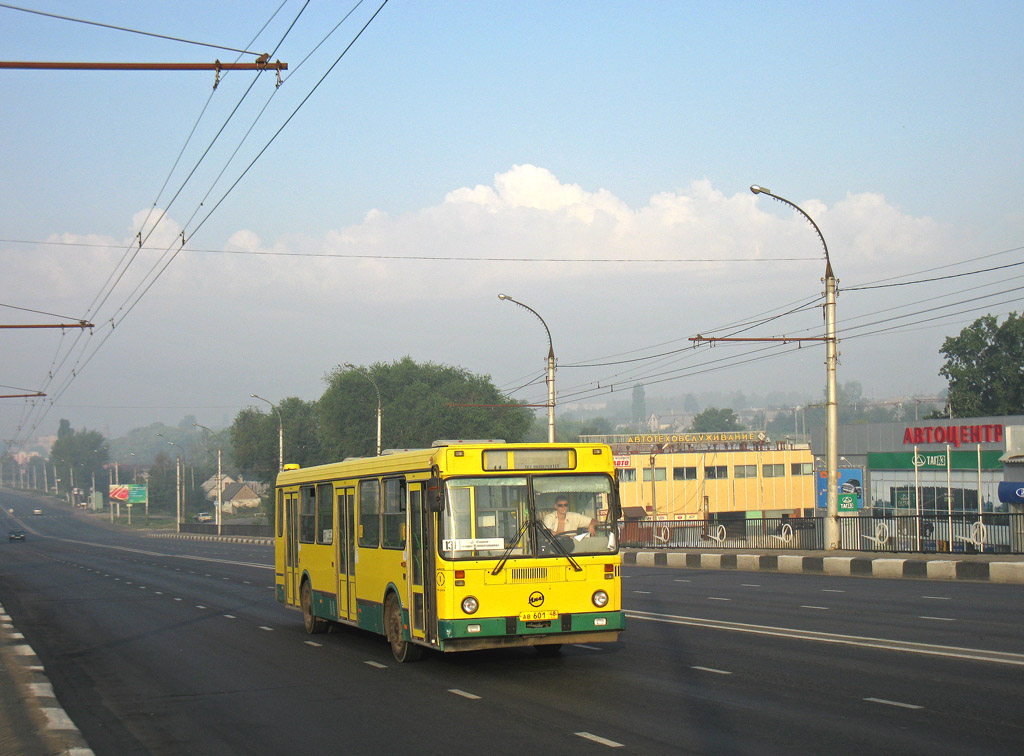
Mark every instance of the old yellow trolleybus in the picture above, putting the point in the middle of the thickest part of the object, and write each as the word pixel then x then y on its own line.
pixel 467 545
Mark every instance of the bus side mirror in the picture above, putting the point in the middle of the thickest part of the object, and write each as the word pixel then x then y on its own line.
pixel 435 503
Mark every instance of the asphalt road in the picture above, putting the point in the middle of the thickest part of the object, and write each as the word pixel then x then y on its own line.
pixel 159 646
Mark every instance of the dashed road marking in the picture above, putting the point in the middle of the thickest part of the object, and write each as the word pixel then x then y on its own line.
pixel 712 669
pixel 894 703
pixel 376 665
pixel 599 739
pixel 939 619
pixel 464 694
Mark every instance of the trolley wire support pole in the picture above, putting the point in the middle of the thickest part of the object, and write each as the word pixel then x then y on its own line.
pixel 831 357
pixel 550 379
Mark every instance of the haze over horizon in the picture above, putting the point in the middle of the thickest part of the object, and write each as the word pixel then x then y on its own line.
pixel 590 160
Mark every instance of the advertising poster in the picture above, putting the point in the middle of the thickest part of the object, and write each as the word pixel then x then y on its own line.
pixel 851 484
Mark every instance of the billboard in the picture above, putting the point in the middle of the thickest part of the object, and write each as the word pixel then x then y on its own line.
pixel 851 484
pixel 129 493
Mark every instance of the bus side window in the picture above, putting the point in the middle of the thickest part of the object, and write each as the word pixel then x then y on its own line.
pixel 394 514
pixel 280 513
pixel 369 513
pixel 325 513
pixel 307 514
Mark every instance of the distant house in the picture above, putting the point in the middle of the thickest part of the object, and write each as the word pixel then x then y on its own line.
pixel 210 486
pixel 237 497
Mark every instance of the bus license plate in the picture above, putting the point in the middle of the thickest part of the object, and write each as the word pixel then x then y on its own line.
pixel 540 614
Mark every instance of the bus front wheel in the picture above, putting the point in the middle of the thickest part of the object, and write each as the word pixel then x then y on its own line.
pixel 401 649
pixel 314 625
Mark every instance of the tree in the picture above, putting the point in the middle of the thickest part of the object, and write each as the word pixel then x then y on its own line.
pixel 639 405
pixel 255 435
pixel 80 455
pixel 712 420
pixel 985 368
pixel 422 402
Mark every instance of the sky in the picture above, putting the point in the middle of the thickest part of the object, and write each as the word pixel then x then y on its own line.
pixel 591 160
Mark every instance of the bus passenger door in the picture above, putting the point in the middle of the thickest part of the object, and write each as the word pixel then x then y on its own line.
pixel 345 544
pixel 291 548
pixel 423 612
pixel 417 623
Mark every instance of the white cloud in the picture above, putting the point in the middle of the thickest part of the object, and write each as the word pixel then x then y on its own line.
pixel 379 303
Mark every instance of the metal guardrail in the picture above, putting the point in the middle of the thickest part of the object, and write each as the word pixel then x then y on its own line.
pixel 932 533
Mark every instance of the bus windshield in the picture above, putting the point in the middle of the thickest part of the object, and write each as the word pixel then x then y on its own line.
pixel 484 517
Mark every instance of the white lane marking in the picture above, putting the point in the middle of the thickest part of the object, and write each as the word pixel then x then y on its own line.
pixel 464 694
pixel 200 606
pixel 939 619
pixel 598 739
pixel 712 669
pixel 589 648
pixel 894 703
pixel 681 580
pixel 808 606
pixel 937 598
pixel 928 649
pixel 832 590
pixel 314 644
pixel 751 585
pixel 230 616
pixel 718 598
pixel 641 591
pixel 378 665
pixel 268 629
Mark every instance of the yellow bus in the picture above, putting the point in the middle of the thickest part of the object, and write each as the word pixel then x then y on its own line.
pixel 466 545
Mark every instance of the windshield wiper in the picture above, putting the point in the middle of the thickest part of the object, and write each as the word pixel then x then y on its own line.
pixel 558 546
pixel 515 542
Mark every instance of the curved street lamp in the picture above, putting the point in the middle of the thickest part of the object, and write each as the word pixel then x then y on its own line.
pixel 832 406
pixel 550 379
pixel 280 431
pixel 178 471
pixel 366 375
pixel 220 478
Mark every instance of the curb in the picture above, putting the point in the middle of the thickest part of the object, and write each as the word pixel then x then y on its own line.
pixel 36 693
pixel 222 539
pixel 845 566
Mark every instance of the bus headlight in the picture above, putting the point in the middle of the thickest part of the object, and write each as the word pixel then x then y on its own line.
pixel 470 604
pixel 600 599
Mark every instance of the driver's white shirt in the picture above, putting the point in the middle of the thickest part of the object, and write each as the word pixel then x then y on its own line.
pixel 573 520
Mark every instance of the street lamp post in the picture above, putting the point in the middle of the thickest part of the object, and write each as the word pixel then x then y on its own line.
pixel 180 500
pixel 832 406
pixel 550 379
pixel 220 480
pixel 280 431
pixel 366 375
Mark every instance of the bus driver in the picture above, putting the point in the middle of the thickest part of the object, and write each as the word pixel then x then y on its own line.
pixel 563 521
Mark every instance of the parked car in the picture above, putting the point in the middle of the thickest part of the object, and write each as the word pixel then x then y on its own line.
pixel 204 517
pixel 16 535
pixel 37 511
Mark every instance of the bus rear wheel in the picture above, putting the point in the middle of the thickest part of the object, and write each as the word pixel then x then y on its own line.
pixel 314 625
pixel 401 649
